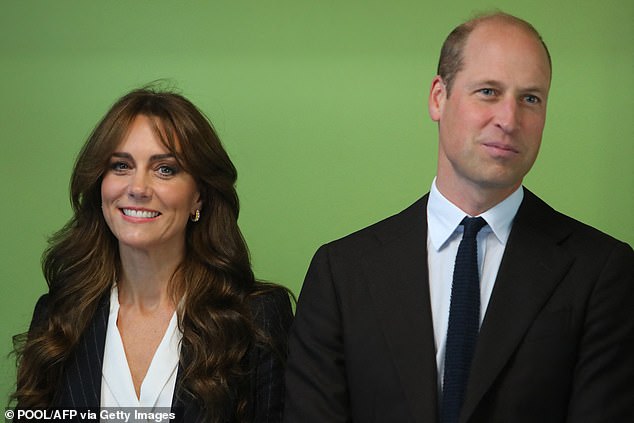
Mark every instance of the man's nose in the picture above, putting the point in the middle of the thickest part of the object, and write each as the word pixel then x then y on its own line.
pixel 507 114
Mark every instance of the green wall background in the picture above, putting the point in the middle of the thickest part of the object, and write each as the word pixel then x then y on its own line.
pixel 321 105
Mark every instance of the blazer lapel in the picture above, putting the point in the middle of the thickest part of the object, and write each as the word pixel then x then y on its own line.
pixel 81 383
pixel 531 268
pixel 184 407
pixel 399 287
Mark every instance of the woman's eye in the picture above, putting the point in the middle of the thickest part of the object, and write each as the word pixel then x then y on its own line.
pixel 119 166
pixel 166 170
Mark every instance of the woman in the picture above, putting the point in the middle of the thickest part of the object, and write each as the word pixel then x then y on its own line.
pixel 152 301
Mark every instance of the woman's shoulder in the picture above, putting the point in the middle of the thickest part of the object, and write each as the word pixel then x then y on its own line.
pixel 40 313
pixel 46 306
pixel 270 306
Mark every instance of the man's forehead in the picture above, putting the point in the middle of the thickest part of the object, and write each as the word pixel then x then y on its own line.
pixel 497 30
pixel 501 40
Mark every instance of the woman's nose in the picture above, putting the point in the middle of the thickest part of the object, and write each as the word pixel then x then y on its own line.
pixel 139 187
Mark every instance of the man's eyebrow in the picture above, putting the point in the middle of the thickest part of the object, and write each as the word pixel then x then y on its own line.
pixel 486 82
pixel 497 84
pixel 534 90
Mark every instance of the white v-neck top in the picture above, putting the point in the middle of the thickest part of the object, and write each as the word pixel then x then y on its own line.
pixel 157 389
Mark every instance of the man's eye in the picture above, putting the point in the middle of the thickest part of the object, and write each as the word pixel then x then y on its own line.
pixel 532 99
pixel 487 91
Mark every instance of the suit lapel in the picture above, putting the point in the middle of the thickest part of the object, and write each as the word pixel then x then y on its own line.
pixel 81 382
pixel 531 268
pixel 399 288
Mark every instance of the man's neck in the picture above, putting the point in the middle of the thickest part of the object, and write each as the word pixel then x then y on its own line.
pixel 474 199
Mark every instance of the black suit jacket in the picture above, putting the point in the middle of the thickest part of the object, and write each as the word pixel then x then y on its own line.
pixel 80 386
pixel 556 343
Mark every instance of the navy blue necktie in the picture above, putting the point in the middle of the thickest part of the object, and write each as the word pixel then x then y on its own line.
pixel 464 321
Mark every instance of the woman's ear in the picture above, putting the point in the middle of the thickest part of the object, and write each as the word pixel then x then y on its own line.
pixel 198 203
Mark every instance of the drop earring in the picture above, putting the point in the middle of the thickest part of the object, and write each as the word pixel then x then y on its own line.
pixel 196 216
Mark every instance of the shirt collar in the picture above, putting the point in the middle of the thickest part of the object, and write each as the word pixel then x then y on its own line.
pixel 444 217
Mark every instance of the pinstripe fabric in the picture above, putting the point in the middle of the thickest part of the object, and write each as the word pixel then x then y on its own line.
pixel 272 313
pixel 80 386
pixel 82 375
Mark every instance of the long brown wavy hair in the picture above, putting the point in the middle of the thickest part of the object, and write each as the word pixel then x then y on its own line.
pixel 210 286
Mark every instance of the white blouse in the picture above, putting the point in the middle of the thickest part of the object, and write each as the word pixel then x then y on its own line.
pixel 157 389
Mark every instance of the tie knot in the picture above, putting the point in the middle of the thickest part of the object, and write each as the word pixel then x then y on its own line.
pixel 472 226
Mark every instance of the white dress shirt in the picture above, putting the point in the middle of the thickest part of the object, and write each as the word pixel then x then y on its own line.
pixel 157 389
pixel 443 238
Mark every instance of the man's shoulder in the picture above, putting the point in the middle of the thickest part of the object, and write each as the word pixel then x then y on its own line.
pixel 410 220
pixel 561 228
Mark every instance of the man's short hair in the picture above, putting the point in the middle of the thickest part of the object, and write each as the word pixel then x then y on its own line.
pixel 451 55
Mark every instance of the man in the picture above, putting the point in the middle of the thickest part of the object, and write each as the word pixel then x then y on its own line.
pixel 380 335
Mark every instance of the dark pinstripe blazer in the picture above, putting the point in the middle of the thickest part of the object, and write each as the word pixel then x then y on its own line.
pixel 80 386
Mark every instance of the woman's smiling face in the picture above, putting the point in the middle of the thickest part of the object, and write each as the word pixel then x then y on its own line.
pixel 146 197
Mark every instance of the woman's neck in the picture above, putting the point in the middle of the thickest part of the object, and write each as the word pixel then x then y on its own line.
pixel 145 278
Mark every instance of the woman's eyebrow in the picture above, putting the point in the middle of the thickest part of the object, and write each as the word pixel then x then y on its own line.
pixel 153 158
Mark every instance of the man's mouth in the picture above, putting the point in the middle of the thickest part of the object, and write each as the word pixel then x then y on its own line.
pixel 501 147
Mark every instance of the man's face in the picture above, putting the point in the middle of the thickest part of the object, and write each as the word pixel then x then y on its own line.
pixel 491 124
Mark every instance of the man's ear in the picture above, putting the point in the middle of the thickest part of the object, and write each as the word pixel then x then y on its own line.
pixel 437 97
